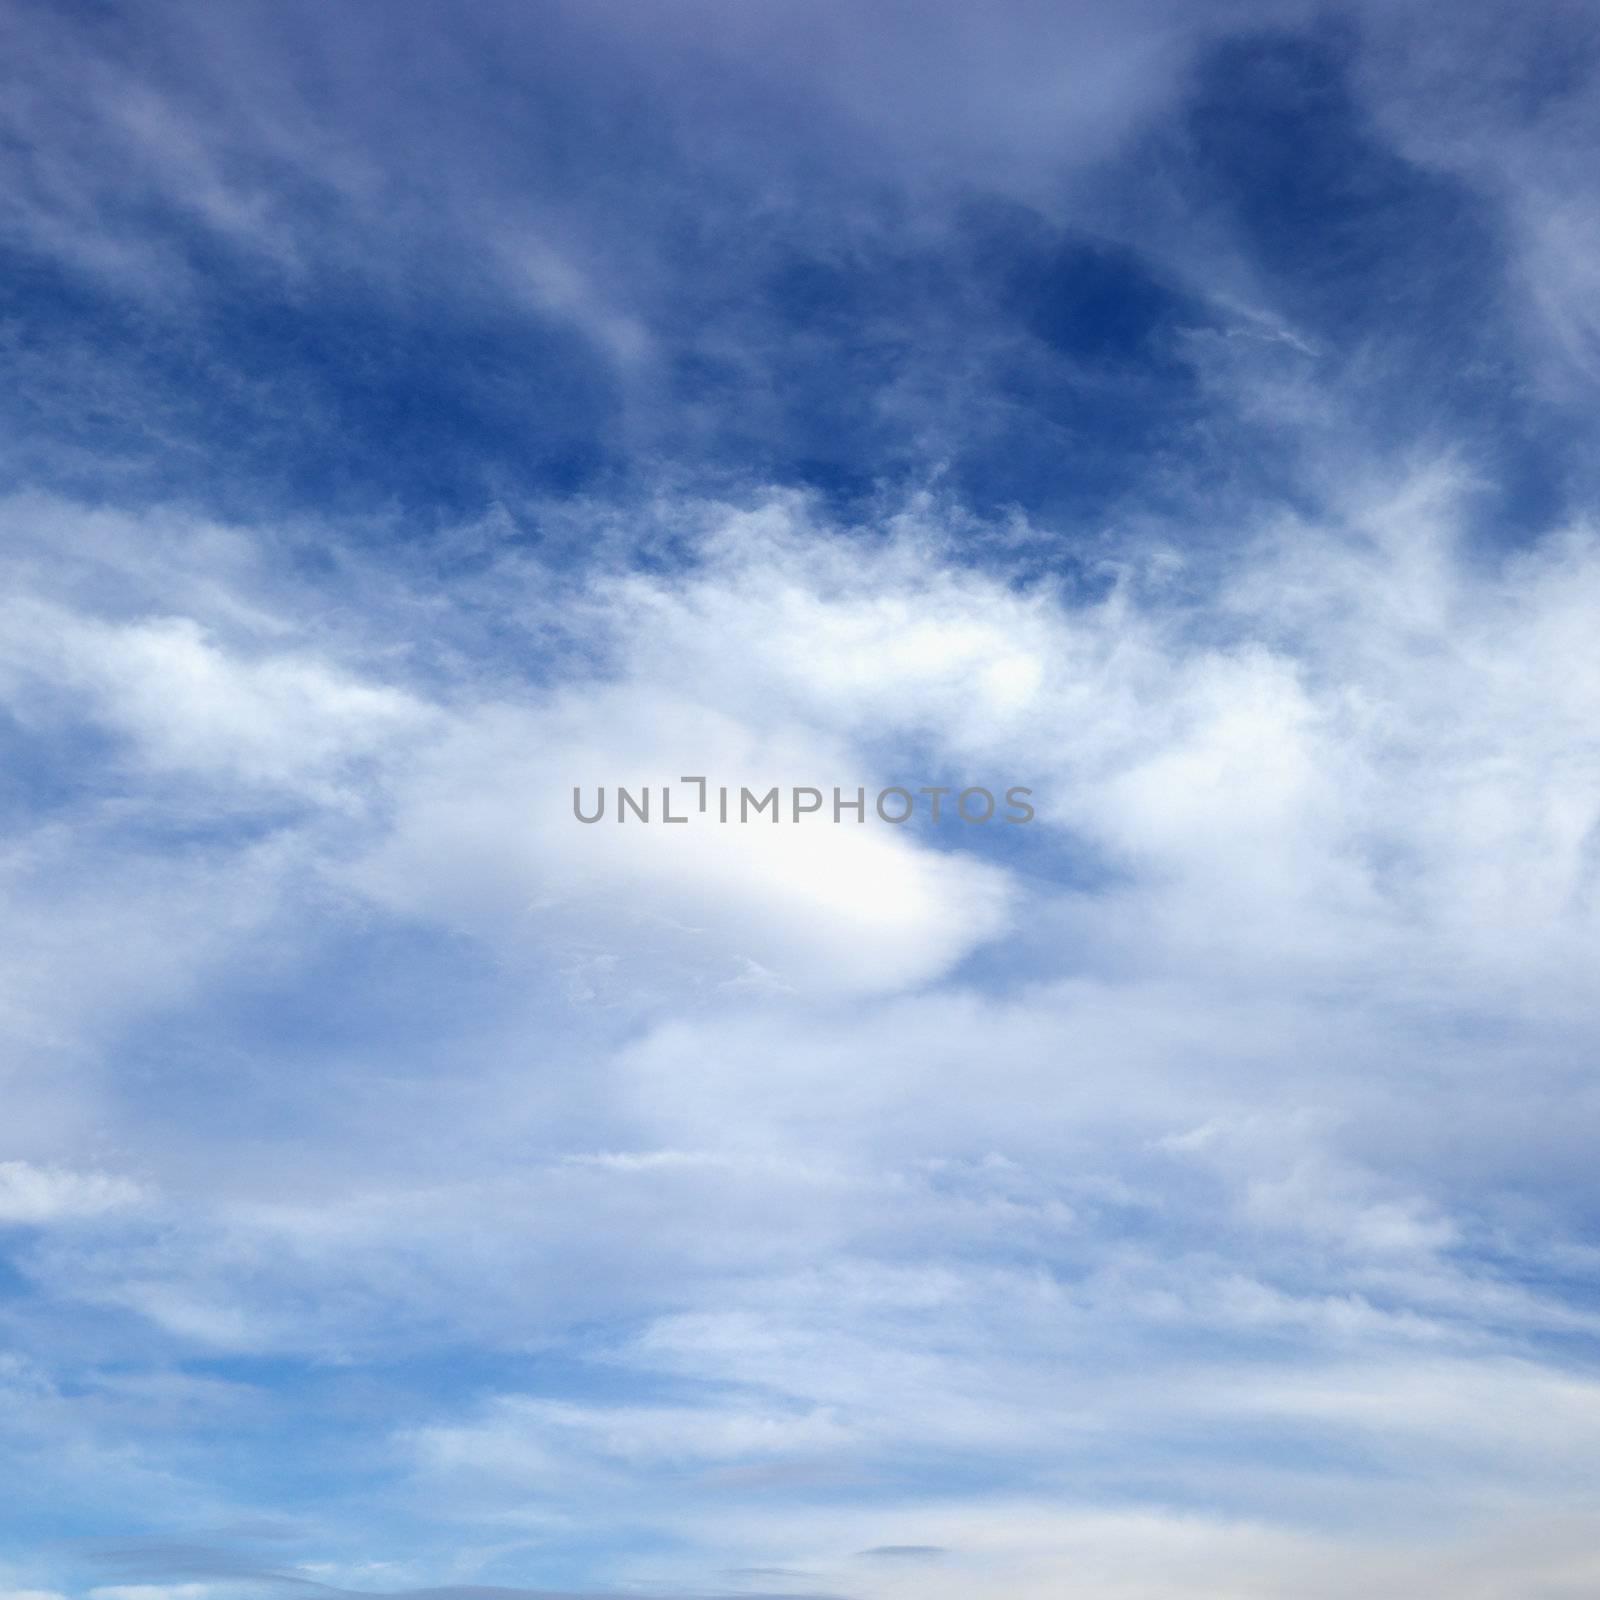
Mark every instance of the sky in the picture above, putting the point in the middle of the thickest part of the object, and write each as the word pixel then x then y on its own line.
pixel 1182 409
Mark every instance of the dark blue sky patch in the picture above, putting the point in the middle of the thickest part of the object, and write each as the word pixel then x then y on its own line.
pixel 1355 238
pixel 806 323
pixel 253 400
pixel 1400 275
pixel 1096 302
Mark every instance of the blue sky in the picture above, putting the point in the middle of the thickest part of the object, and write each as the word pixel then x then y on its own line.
pixel 1186 411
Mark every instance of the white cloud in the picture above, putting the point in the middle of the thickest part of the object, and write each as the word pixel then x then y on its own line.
pixel 164 1591
pixel 838 1214
pixel 1029 1546
pixel 31 1194
pixel 189 703
pixel 484 835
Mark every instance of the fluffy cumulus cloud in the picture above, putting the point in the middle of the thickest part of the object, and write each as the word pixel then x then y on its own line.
pixel 409 1188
